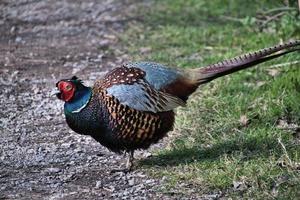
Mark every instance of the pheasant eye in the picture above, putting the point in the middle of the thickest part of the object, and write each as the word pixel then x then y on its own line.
pixel 68 87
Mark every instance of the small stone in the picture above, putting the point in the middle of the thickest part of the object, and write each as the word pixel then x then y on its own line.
pixel 131 182
pixel 18 39
pixel 53 170
pixel 98 184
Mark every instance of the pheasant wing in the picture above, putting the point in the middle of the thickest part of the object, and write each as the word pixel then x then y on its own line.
pixel 131 88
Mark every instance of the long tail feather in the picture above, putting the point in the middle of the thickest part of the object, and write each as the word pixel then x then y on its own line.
pixel 211 72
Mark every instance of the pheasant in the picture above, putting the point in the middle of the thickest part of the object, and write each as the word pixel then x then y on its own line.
pixel 133 106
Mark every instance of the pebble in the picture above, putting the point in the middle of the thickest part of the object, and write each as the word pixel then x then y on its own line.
pixel 53 170
pixel 131 182
pixel 98 184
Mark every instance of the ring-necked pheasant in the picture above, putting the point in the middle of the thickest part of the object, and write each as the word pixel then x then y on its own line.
pixel 132 106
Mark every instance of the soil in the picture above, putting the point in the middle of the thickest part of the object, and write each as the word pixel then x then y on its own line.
pixel 40 157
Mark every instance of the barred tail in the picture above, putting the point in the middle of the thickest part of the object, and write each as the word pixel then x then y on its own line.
pixel 211 72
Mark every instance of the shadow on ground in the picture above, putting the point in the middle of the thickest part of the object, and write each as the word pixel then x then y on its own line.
pixel 251 148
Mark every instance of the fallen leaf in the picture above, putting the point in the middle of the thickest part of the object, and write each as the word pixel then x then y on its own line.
pixel 244 120
pixel 239 185
pixel 284 124
pixel 260 83
pixel 145 49
pixel 273 72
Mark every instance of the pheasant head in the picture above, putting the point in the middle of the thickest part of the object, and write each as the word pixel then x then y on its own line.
pixel 75 95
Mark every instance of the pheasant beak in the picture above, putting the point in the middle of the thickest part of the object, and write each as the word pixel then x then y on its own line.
pixel 56 93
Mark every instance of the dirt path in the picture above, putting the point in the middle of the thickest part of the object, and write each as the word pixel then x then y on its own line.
pixel 40 158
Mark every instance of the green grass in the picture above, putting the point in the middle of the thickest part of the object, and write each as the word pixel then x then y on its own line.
pixel 211 149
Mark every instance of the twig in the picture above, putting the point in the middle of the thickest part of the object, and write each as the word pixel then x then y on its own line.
pixel 280 9
pixel 234 19
pixel 274 17
pixel 285 151
pixel 285 64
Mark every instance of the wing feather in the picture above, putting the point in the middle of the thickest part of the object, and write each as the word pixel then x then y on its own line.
pixel 132 86
pixel 141 96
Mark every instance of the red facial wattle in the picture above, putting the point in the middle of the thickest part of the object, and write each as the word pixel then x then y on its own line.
pixel 67 90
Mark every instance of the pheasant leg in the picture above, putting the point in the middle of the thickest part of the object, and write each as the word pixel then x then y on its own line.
pixel 129 164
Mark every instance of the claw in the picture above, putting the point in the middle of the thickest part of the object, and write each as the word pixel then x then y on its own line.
pixel 129 165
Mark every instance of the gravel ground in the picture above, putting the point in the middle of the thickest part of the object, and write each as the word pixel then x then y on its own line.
pixel 40 157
